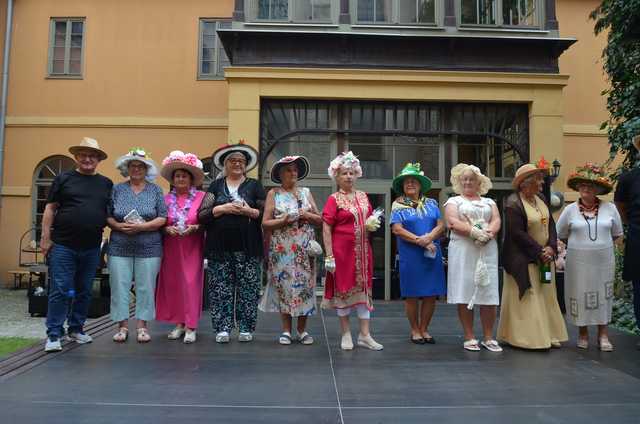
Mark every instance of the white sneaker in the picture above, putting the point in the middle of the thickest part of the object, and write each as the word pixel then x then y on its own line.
pixel 245 337
pixel 190 337
pixel 80 338
pixel 176 333
pixel 347 342
pixel 222 337
pixel 52 345
pixel 368 342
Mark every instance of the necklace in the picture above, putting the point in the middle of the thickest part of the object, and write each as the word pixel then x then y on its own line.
pixel 543 219
pixel 179 214
pixel 590 213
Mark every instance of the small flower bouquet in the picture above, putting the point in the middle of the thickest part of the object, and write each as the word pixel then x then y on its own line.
pixel 372 223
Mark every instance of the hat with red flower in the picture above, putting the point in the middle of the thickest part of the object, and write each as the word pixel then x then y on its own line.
pixel 185 161
pixel 590 173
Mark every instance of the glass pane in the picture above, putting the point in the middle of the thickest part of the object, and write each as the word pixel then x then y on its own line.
pixel 75 67
pixel 76 53
pixel 208 54
pixel 375 154
pixel 60 39
pixel 58 66
pixel 478 12
pixel 58 53
pixel 317 148
pixel 273 9
pixel 313 10
pixel 76 41
pixel 209 41
pixel 61 28
pixel 519 12
pixel 374 10
pixel 209 28
pixel 207 67
pixel 223 60
pixel 424 150
pixel 427 11
pixel 76 27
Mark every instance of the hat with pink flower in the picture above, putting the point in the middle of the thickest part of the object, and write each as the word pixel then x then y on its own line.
pixel 185 161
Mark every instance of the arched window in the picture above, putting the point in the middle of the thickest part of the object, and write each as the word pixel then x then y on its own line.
pixel 43 177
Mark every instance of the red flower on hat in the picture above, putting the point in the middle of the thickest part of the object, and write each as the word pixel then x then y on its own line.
pixel 543 163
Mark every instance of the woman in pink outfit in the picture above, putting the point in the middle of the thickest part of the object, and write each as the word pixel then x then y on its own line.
pixel 179 292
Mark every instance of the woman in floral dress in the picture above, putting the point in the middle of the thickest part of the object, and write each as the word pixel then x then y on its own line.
pixel 290 214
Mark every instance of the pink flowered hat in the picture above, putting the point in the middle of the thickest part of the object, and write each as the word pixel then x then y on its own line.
pixel 186 161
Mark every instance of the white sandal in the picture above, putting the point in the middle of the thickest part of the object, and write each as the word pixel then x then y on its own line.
pixel 285 338
pixel 176 333
pixel 122 335
pixel 605 345
pixel 222 337
pixel 491 345
pixel 471 345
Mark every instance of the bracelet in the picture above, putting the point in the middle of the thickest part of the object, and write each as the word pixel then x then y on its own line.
pixel 328 256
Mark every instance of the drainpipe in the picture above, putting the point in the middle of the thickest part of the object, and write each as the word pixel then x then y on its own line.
pixel 5 87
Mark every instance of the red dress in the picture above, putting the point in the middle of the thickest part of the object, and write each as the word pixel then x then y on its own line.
pixel 350 284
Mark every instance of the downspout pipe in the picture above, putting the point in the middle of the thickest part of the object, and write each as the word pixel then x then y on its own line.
pixel 5 88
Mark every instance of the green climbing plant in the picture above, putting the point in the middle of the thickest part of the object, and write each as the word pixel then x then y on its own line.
pixel 620 19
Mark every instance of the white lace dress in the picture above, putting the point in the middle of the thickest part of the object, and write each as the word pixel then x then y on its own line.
pixel 464 255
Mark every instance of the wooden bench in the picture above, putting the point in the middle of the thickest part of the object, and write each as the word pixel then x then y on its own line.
pixel 18 276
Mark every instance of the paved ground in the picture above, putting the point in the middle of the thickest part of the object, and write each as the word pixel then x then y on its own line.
pixel 16 321
pixel 168 382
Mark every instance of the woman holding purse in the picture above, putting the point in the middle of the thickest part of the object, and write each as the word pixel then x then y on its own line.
pixel 290 215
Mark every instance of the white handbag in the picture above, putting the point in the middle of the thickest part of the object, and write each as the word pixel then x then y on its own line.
pixel 314 249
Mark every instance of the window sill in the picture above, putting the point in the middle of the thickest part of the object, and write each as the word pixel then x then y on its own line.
pixel 69 77
pixel 210 78
pixel 293 24
pixel 509 30
pixel 398 26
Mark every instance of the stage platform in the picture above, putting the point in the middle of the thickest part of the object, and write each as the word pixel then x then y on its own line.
pixel 263 382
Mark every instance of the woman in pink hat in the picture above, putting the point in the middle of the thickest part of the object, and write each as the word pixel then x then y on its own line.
pixel 179 293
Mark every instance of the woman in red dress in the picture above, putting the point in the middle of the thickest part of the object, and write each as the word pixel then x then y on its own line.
pixel 347 220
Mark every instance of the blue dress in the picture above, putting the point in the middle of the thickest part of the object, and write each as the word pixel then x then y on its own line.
pixel 419 275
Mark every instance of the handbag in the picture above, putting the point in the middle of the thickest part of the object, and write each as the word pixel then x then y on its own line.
pixel 314 249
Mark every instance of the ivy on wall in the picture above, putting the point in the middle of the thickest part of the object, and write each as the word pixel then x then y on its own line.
pixel 620 19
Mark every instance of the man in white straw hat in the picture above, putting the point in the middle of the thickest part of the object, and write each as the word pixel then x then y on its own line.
pixel 627 199
pixel 72 224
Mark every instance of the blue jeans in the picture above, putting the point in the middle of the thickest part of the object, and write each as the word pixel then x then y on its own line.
pixel 70 269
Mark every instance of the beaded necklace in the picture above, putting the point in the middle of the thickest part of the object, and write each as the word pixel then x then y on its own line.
pixel 589 213
pixel 179 214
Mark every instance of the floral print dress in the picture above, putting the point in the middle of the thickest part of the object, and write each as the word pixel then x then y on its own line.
pixel 291 273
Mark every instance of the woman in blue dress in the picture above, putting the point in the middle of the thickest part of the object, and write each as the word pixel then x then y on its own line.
pixel 417 225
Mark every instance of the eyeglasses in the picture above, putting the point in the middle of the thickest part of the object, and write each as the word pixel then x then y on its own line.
pixel 92 156
pixel 237 161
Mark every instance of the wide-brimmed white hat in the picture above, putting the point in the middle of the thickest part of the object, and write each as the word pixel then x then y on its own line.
pixel 88 144
pixel 300 161
pixel 459 170
pixel 185 161
pixel 140 155
pixel 250 154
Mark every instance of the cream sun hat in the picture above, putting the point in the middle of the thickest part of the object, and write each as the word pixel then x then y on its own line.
pixel 458 171
pixel 88 144
pixel 140 155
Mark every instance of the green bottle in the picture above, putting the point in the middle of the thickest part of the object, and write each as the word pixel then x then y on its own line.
pixel 545 272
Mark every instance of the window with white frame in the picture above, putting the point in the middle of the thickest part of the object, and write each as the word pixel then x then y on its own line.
pixel 66 41
pixel 409 12
pixel 212 57
pixel 509 13
pixel 291 10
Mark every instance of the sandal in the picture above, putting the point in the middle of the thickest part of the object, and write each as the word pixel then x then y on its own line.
pixel 121 335
pixel 143 335
pixel 605 345
pixel 305 338
pixel 471 345
pixel 491 345
pixel 222 337
pixel 582 343
pixel 176 333
pixel 285 338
